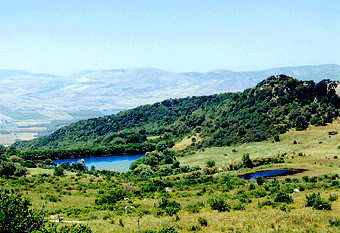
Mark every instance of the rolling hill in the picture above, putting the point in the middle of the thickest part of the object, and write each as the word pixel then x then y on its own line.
pixel 273 106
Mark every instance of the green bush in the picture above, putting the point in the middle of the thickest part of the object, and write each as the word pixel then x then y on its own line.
pixel 283 197
pixel 252 186
pixel 59 171
pixel 260 180
pixel 239 206
pixel 111 198
pixel 169 229
pixel 194 208
pixel 247 161
pixel 333 197
pixel 305 178
pixel 261 192
pixel 170 207
pixel 203 222
pixel 121 222
pixel 266 203
pixel 285 207
pixel 52 228
pixel 8 169
pixel 218 204
pixel 318 203
pixel 16 215
pixel 210 163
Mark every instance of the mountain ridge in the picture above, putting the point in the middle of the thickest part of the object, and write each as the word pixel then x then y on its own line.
pixel 128 88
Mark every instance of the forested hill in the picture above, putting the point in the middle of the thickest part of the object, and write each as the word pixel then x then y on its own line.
pixel 273 106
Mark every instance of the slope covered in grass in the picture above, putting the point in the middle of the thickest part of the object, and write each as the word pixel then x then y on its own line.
pixel 274 106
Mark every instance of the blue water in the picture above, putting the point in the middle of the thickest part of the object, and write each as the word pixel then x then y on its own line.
pixel 112 163
pixel 270 173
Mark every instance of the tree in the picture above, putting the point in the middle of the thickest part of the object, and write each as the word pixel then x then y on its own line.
pixel 59 171
pixel 15 214
pixel 247 161
pixel 7 169
pixel 210 163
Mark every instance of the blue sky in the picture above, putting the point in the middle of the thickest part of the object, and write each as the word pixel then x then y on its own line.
pixel 66 37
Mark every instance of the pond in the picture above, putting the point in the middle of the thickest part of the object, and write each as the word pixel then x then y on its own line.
pixel 112 163
pixel 270 173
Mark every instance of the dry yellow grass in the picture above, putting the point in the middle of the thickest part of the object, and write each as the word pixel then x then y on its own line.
pixel 185 142
pixel 319 150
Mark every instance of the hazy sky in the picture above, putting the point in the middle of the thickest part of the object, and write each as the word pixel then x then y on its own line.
pixel 65 37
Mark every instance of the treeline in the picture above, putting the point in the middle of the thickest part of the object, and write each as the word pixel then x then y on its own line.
pixel 271 108
pixel 131 148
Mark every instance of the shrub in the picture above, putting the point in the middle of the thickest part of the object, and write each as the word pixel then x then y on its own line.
pixel 169 229
pixel 333 197
pixel 14 158
pixel 59 171
pixel 8 169
pixel 260 180
pixel 50 162
pixel 52 198
pixel 15 214
pixel 203 222
pixel 239 206
pixel 194 208
pixel 121 222
pixel 68 229
pixel 170 207
pixel 247 161
pixel 283 197
pixel 335 223
pixel 305 178
pixel 218 204
pixel 266 203
pixel 285 207
pixel 111 198
pixel 321 204
pixel 315 201
pixel 210 163
pixel 261 192
pixel 210 170
pixel 28 163
pixel 252 186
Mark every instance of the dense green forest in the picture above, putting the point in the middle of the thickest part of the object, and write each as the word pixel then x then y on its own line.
pixel 271 108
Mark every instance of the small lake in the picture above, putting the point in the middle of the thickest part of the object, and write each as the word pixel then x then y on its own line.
pixel 112 163
pixel 270 173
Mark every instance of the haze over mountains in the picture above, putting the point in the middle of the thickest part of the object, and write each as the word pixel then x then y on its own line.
pixel 50 96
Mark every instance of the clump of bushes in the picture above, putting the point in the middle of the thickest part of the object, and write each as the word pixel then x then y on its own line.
pixel 219 204
pixel 111 198
pixel 266 203
pixel 250 163
pixel 170 207
pixel 283 197
pixel 8 169
pixel 314 200
pixel 194 208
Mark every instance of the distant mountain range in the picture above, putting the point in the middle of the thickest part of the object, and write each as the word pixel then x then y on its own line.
pixel 100 90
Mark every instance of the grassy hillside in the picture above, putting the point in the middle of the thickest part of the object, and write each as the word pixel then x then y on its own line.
pixel 249 206
pixel 288 123
pixel 274 106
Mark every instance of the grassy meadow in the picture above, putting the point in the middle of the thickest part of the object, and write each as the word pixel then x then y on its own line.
pixel 246 206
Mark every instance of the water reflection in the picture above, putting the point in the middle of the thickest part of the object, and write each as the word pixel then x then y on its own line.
pixel 270 173
pixel 112 163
